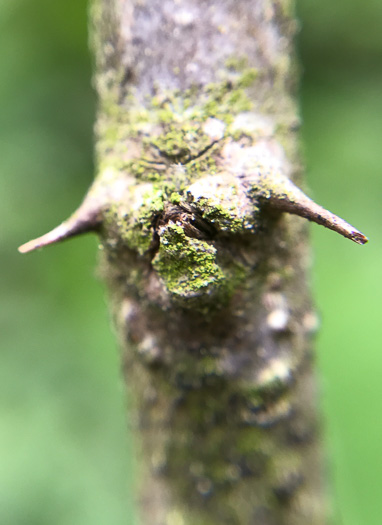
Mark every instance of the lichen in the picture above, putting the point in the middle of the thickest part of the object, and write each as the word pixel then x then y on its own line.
pixel 226 219
pixel 173 140
pixel 187 266
pixel 135 228
pixel 170 128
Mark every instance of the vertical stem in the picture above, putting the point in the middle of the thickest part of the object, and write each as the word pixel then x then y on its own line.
pixel 208 291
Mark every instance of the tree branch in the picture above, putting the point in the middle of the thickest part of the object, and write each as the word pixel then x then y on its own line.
pixel 197 161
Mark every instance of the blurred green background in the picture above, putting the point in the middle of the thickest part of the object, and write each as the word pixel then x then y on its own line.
pixel 64 452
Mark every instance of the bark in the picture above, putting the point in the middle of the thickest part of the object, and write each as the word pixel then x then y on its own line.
pixel 197 155
pixel 217 360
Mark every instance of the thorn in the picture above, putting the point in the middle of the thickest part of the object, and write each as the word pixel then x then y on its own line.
pixel 86 219
pixel 289 198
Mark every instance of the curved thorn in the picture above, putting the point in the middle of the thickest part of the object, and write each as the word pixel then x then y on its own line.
pixel 291 199
pixel 85 219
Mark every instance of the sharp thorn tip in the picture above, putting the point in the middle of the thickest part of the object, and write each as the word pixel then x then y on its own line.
pixel 359 237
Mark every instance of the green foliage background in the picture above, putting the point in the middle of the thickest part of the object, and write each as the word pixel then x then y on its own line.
pixel 64 453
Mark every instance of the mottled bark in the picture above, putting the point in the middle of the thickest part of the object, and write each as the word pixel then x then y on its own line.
pixel 197 156
pixel 219 373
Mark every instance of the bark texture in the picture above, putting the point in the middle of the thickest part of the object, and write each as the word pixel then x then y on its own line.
pixel 196 142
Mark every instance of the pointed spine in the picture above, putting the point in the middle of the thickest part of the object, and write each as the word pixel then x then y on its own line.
pixel 287 197
pixel 86 219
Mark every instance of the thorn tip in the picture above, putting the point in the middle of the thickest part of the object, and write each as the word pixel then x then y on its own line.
pixel 359 237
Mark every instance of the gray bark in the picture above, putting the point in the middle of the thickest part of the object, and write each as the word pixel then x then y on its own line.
pixel 219 374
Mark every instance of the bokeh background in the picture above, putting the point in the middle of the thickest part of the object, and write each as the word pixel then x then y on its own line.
pixel 64 450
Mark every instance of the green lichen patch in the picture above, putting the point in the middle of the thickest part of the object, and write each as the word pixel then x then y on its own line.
pixel 248 77
pixel 237 64
pixel 225 219
pixel 135 229
pixel 168 144
pixel 179 142
pixel 221 202
pixel 173 127
pixel 187 266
